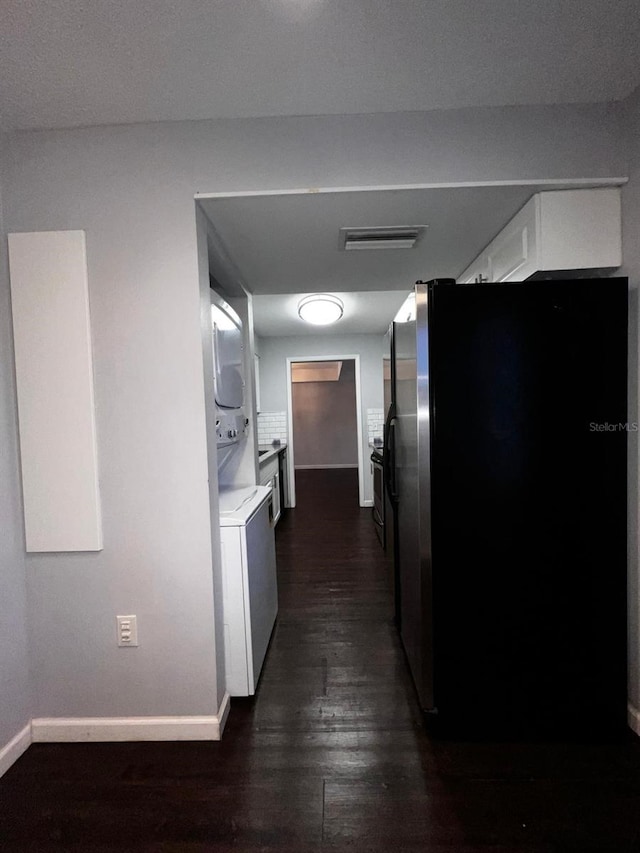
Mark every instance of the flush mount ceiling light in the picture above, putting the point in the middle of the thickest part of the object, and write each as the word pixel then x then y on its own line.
pixel 321 309
pixel 381 237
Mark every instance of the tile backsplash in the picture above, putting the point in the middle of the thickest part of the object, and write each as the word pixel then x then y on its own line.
pixel 272 425
pixel 375 424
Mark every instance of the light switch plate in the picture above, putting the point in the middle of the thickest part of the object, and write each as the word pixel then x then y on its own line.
pixel 127 630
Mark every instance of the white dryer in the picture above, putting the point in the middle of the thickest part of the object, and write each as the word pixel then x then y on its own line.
pixel 228 372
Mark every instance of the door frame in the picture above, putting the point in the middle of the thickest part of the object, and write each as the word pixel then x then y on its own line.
pixel 291 472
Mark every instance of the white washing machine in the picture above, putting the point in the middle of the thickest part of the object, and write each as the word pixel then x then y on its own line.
pixel 249 584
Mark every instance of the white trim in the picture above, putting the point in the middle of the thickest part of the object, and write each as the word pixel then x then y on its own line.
pixel 361 459
pixel 12 751
pixel 290 448
pixel 525 182
pixel 116 729
pixel 223 712
pixel 633 718
pixel 81 729
pixel 291 468
pixel 318 467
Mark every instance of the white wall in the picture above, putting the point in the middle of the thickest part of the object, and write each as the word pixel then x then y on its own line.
pixel 273 374
pixel 131 189
pixel 131 197
pixel 631 268
pixel 15 704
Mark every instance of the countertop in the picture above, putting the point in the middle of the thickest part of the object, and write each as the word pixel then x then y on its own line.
pixel 270 451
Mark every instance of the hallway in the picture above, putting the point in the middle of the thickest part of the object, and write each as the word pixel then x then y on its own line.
pixel 331 754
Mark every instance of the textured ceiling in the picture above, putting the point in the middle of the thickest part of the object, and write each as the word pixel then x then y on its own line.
pixel 83 62
pixel 289 243
pixel 285 246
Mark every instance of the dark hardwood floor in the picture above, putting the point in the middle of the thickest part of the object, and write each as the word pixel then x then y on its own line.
pixel 331 754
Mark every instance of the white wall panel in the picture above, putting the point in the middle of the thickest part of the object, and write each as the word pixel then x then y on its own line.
pixel 54 377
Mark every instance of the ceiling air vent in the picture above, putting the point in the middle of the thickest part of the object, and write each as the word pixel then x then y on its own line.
pixel 381 237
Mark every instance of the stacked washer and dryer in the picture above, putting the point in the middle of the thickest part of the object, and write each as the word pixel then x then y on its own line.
pixel 249 584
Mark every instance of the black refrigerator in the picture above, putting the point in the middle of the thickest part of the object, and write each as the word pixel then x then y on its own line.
pixel 505 469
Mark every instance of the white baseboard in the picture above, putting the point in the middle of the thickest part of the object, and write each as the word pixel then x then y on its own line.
pixel 322 467
pixel 12 751
pixel 223 712
pixel 82 729
pixel 118 729
pixel 633 718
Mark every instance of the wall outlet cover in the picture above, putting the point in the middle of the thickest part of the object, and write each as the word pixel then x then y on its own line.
pixel 127 627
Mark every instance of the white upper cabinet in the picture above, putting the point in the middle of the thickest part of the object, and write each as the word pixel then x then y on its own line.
pixel 513 255
pixel 477 272
pixel 559 230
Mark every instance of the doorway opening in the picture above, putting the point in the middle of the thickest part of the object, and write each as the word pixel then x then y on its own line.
pixel 324 416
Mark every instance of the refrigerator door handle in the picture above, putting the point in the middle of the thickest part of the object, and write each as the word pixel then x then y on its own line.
pixel 388 456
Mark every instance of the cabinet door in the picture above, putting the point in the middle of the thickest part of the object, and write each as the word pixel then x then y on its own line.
pixel 284 479
pixel 513 254
pixel 268 470
pixel 275 497
pixel 477 272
